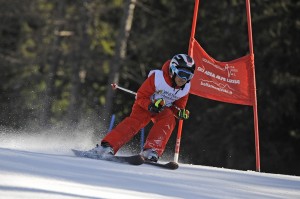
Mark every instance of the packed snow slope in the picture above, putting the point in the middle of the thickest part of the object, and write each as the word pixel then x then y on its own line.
pixel 34 167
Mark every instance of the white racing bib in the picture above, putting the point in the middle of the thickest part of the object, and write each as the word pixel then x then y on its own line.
pixel 163 90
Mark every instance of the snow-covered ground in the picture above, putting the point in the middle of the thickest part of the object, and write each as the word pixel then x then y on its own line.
pixel 43 167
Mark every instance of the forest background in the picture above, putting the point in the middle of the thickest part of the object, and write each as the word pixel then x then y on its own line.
pixel 59 57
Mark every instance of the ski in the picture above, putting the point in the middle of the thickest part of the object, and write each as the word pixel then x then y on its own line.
pixel 169 165
pixel 133 160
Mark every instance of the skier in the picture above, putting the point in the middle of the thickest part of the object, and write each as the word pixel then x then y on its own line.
pixel 162 96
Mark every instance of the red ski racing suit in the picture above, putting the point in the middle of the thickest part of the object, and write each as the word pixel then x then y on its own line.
pixel 164 122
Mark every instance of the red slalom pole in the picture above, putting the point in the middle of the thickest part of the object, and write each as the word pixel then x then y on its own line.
pixel 180 124
pixel 178 140
pixel 256 133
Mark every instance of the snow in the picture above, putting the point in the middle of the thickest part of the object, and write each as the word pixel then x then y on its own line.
pixel 43 166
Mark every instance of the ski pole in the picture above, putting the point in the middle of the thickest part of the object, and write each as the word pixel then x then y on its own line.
pixel 142 138
pixel 116 86
pixel 111 122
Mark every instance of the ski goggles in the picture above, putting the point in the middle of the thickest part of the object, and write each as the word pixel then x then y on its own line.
pixel 183 74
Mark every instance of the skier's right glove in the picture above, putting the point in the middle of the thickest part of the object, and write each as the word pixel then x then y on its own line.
pixel 157 106
pixel 183 114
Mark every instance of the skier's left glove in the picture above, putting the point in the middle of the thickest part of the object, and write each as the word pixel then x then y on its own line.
pixel 183 114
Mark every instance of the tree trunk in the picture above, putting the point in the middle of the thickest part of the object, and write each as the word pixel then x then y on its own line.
pixel 120 54
pixel 54 62
pixel 74 109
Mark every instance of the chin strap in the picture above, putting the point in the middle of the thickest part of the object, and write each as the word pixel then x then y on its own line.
pixel 173 82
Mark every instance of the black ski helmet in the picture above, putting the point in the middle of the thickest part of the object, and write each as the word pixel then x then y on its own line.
pixel 181 61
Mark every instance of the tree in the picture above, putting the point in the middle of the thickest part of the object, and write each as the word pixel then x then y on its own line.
pixel 55 57
pixel 120 55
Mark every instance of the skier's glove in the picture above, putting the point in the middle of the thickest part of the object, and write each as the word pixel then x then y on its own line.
pixel 183 114
pixel 157 106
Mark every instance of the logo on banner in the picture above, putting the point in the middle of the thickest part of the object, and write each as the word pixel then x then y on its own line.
pixel 223 80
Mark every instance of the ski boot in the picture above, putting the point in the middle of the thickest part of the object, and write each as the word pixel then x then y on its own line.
pixel 150 155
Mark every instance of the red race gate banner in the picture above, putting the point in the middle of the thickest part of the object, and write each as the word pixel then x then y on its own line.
pixel 230 82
